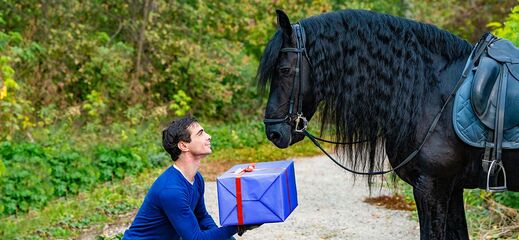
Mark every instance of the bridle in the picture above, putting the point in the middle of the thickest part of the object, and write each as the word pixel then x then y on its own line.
pixel 298 117
pixel 300 122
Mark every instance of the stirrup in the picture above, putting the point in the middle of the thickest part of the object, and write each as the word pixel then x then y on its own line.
pixel 493 170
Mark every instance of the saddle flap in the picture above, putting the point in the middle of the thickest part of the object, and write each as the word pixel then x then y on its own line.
pixel 512 97
pixel 503 50
pixel 514 70
pixel 484 90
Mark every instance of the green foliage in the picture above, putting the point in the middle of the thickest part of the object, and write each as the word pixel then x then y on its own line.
pixel 510 28
pixel 2 167
pixel 180 104
pixel 127 61
pixel 107 69
pixel 27 182
pixel 463 18
pixel 95 104
pixel 116 237
pixel 71 172
pixel 35 175
pixel 237 135
pixel 14 110
pixel 510 199
pixel 475 197
pixel 117 163
pixel 67 218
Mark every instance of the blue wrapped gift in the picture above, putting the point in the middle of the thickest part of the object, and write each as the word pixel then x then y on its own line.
pixel 263 193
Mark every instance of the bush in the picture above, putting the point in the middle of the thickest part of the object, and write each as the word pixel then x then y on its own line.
pixel 71 172
pixel 509 28
pixel 34 174
pixel 27 182
pixel 116 163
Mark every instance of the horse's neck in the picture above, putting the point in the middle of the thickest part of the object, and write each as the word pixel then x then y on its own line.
pixel 450 75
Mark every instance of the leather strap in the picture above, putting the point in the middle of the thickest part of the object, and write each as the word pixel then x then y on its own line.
pixel 500 112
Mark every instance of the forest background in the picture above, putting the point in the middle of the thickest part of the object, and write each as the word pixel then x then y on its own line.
pixel 87 86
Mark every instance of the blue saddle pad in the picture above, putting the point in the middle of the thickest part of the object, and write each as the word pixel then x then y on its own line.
pixel 467 125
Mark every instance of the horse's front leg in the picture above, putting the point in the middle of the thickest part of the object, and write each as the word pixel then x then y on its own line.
pixel 456 221
pixel 432 202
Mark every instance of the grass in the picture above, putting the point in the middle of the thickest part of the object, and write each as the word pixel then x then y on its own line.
pixel 67 218
pixel 492 215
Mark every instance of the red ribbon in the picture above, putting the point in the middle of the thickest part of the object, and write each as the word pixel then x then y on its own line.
pixel 239 205
pixel 238 200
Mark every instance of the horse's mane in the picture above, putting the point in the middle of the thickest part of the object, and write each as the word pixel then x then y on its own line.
pixel 372 73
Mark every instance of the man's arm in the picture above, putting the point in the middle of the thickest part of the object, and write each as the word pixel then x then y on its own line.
pixel 204 219
pixel 176 206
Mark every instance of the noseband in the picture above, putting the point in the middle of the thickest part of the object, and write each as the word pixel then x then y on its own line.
pixel 296 117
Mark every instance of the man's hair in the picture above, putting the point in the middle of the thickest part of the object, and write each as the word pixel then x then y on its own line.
pixel 177 131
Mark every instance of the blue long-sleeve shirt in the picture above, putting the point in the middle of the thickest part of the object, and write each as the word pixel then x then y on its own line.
pixel 175 209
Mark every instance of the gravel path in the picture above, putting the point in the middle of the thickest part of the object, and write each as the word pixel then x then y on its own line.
pixel 330 207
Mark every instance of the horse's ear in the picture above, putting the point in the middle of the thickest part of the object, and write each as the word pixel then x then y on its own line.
pixel 284 22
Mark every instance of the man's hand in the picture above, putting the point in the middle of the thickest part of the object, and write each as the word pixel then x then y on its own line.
pixel 243 228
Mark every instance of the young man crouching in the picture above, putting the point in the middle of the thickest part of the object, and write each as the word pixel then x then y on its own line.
pixel 174 206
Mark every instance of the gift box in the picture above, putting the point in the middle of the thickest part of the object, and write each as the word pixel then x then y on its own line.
pixel 257 193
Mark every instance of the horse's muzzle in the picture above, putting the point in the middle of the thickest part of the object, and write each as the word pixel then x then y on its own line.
pixel 280 134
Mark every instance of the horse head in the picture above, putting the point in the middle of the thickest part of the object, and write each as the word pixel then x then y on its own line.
pixel 291 101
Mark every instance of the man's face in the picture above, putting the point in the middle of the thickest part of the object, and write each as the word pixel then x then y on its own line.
pixel 200 141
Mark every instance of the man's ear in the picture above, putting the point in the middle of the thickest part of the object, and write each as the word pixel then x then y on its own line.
pixel 284 23
pixel 182 146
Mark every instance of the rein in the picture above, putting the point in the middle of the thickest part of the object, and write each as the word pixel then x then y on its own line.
pixel 470 61
pixel 473 57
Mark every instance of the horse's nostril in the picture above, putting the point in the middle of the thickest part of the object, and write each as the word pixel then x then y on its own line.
pixel 273 136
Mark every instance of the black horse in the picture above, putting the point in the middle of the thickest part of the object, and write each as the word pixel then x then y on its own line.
pixel 379 80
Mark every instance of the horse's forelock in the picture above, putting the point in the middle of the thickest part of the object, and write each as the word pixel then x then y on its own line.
pixel 267 66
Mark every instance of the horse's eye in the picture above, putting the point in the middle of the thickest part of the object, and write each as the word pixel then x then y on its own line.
pixel 284 71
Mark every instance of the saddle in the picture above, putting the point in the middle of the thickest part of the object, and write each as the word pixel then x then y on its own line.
pixel 493 88
pixel 496 85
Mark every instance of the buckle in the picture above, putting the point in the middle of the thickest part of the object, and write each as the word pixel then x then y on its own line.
pixel 304 122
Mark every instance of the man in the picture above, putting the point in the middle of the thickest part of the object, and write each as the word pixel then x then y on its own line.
pixel 174 207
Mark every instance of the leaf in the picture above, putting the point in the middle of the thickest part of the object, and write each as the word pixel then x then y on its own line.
pixel 494 25
pixel 2 169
